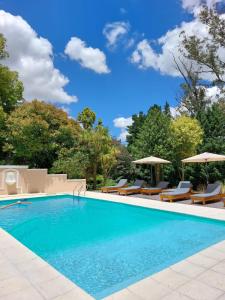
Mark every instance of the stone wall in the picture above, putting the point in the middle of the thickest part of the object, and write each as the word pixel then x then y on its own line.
pixel 36 181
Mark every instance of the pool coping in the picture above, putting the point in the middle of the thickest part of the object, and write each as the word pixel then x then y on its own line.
pixel 200 276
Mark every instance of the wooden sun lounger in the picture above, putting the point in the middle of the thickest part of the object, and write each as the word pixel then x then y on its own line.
pixel 112 189
pixel 151 191
pixel 134 189
pixel 171 198
pixel 213 192
pixel 209 198
pixel 129 191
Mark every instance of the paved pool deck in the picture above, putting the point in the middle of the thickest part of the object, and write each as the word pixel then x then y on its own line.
pixel 25 276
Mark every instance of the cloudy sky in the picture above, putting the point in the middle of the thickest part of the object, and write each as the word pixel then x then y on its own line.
pixel 114 56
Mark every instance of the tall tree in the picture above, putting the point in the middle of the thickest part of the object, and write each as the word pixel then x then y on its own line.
pixel 98 145
pixel 187 135
pixel 135 128
pixel 153 138
pixel 37 132
pixel 205 51
pixel 87 118
pixel 11 88
pixel 167 109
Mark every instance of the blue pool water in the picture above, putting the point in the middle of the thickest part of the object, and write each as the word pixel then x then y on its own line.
pixel 104 246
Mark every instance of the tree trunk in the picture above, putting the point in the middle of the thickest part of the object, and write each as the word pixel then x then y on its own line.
pixel 94 176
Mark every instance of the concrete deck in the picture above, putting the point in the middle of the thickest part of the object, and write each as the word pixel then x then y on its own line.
pixel 25 276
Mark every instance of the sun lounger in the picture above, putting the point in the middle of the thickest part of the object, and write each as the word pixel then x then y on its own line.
pixel 213 192
pixel 109 189
pixel 134 189
pixel 182 191
pixel 155 190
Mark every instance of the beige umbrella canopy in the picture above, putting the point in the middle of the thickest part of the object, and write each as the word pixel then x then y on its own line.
pixel 151 160
pixel 204 158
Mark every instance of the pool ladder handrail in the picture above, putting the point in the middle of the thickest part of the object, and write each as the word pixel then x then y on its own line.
pixel 79 190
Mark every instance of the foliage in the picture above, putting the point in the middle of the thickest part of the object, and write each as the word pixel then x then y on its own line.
pixel 167 109
pixel 124 167
pixel 11 88
pixel 204 51
pixel 37 131
pixel 187 135
pixel 3 132
pixel 71 162
pixel 3 52
pixel 153 138
pixel 87 118
pixel 134 129
pixel 97 144
pixel 200 64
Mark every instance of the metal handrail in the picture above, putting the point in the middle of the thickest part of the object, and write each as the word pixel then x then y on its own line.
pixel 79 189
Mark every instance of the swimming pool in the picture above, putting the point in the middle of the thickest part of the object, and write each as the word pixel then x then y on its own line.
pixel 104 246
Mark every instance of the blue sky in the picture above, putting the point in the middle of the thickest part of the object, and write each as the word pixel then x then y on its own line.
pixel 127 85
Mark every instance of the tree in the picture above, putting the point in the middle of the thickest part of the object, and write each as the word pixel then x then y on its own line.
pixel 167 109
pixel 3 132
pixel 124 168
pixel 11 88
pixel 154 138
pixel 87 118
pixel 3 52
pixel 37 132
pixel 187 135
pixel 200 63
pixel 98 145
pixel 213 124
pixel 193 93
pixel 108 161
pixel 72 162
pixel 205 51
pixel 134 129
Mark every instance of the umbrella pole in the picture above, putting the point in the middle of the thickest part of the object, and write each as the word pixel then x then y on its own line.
pixel 206 173
pixel 151 176
pixel 182 171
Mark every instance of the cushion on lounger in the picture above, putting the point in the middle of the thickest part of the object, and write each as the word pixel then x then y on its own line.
pixel 212 190
pixel 184 184
pixel 138 183
pixel 162 184
pixel 177 192
pixel 122 182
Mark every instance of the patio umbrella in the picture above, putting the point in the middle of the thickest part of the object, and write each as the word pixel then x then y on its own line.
pixel 204 158
pixel 151 160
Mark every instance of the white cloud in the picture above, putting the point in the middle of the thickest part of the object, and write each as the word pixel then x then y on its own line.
pixel 123 123
pixel 194 5
pixel 32 57
pixel 174 111
pixel 115 31
pixel 90 58
pixel 214 94
pixel 144 56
